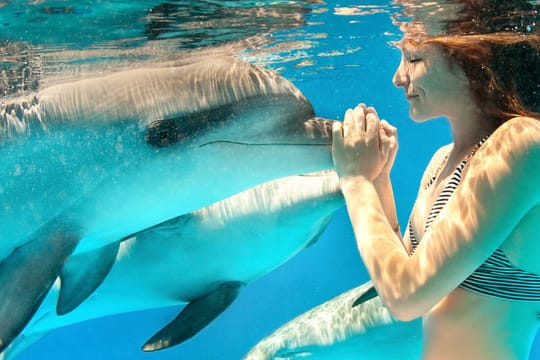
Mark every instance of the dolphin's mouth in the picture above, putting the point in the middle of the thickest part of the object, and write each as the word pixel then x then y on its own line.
pixel 230 142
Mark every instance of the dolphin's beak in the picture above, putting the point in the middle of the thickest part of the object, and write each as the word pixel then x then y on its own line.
pixel 320 128
pixel 317 129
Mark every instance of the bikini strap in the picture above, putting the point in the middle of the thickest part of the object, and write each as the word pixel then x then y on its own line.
pixel 446 193
pixel 461 164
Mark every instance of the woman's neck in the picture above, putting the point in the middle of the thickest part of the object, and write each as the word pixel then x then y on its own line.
pixel 468 128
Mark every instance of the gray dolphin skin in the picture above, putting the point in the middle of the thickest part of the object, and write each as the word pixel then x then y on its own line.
pixel 87 163
pixel 203 258
pixel 344 328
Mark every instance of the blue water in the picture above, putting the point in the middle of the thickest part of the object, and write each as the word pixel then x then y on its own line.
pixel 336 60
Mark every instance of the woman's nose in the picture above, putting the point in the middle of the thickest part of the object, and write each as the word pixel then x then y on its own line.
pixel 400 79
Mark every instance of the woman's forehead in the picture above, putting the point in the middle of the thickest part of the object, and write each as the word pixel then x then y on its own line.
pixel 413 36
pixel 407 46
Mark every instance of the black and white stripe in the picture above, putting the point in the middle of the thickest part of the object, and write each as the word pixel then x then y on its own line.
pixel 496 277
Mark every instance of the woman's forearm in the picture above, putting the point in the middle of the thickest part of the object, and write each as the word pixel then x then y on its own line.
pixel 381 248
pixel 383 186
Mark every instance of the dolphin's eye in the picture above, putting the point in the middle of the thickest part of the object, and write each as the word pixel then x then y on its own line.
pixel 163 133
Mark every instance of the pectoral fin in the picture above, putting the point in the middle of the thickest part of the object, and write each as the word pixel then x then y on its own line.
pixel 28 273
pixel 367 295
pixel 82 274
pixel 195 316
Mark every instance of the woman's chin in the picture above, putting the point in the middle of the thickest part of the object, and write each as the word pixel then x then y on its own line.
pixel 418 116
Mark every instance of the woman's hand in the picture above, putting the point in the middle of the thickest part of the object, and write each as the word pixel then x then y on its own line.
pixel 389 146
pixel 363 146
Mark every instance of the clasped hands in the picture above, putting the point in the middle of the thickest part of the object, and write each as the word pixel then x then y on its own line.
pixel 363 145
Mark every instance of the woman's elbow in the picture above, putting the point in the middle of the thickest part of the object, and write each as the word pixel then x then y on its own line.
pixel 404 315
pixel 403 310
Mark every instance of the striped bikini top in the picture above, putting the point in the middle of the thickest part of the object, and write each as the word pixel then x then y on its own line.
pixel 496 277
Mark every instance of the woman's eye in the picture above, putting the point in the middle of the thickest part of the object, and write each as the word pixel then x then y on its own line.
pixel 413 60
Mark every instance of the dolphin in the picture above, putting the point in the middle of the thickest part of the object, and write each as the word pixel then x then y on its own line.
pixel 87 163
pixel 353 324
pixel 204 258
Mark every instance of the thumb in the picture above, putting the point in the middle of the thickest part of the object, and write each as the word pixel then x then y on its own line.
pixel 385 142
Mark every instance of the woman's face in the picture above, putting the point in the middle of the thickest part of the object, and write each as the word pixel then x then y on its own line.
pixel 432 85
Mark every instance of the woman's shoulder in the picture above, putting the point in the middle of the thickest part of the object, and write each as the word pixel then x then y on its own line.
pixel 439 157
pixel 441 153
pixel 436 161
pixel 520 126
pixel 517 137
pixel 511 158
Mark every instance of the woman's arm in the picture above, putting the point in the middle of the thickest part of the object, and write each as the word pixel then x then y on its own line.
pixel 503 175
pixel 385 192
pixel 383 183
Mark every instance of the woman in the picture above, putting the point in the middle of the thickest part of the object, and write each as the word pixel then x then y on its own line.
pixel 469 261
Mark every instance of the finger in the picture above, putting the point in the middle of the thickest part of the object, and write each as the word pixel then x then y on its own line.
pixel 361 105
pixel 347 121
pixel 360 118
pixel 372 120
pixel 371 109
pixel 393 133
pixel 372 125
pixel 383 139
pixel 388 128
pixel 388 144
pixel 385 126
pixel 361 108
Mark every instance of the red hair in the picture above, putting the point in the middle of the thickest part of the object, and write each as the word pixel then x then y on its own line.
pixel 503 71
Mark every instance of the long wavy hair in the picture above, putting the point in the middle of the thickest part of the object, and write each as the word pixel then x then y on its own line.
pixel 503 71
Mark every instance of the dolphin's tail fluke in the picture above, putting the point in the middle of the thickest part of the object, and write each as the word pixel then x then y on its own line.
pixel 28 273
